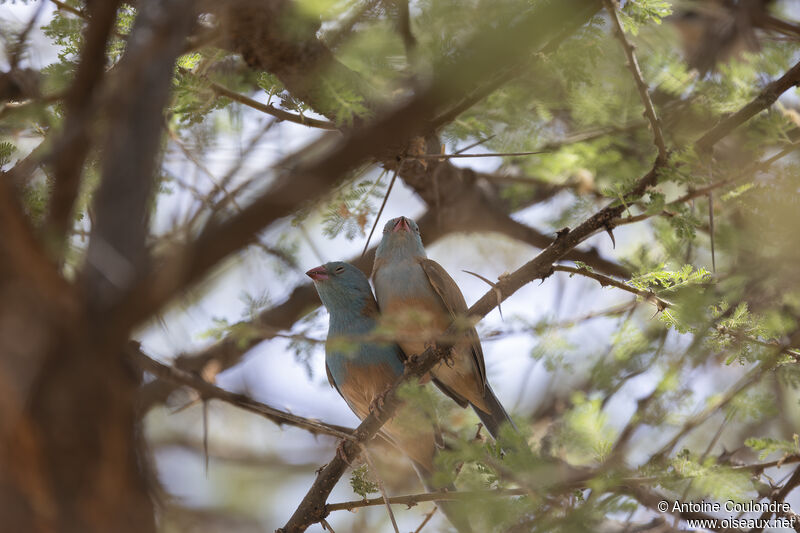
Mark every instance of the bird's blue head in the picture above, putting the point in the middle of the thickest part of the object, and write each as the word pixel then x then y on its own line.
pixel 342 287
pixel 401 239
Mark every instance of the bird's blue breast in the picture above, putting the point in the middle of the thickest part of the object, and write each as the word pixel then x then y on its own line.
pixel 341 355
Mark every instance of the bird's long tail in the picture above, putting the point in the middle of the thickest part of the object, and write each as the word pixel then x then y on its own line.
pixel 496 415
pixel 453 510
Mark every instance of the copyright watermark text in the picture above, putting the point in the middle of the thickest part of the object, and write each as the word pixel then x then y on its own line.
pixel 784 517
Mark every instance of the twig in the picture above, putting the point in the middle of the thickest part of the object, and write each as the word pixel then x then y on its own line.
pixel 663 304
pixel 427 519
pixel 383 204
pixel 19 46
pixel 382 488
pixel 413 499
pixel 711 231
pixel 459 155
pixel 765 98
pixel 749 379
pixel 68 8
pixel 704 191
pixel 781 495
pixel 269 109
pixel 205 434
pixel 606 280
pixel 404 29
pixel 207 390
pixel 476 143
pixel 491 284
pixel 641 86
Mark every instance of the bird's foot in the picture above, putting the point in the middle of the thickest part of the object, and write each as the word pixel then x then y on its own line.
pixel 449 359
pixel 342 454
pixel 376 405
pixel 478 437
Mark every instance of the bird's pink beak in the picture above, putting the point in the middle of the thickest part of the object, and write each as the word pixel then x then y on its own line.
pixel 318 274
pixel 401 225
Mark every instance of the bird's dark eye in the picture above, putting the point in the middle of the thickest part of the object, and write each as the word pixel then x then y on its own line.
pixel 416 229
pixel 339 270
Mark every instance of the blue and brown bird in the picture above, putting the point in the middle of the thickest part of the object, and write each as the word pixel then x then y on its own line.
pixel 362 368
pixel 420 300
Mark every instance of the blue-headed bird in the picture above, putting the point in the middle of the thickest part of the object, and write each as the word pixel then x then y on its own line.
pixel 362 369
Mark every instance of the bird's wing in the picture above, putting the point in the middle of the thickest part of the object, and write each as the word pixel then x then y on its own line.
pixel 330 379
pixel 454 301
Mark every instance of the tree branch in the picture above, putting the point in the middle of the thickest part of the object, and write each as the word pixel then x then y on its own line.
pixel 487 54
pixel 765 98
pixel 117 248
pixel 607 281
pixel 71 149
pixel 413 499
pixel 269 109
pixel 208 390
pixel 641 85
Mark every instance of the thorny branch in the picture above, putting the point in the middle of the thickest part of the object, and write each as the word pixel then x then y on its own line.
pixel 641 85
pixel 208 391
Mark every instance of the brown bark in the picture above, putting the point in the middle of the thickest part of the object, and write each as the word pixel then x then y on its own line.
pixel 71 449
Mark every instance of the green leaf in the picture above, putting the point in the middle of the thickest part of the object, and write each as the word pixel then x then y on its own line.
pixel 361 483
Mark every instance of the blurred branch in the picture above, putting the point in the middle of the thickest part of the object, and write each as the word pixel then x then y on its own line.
pixel 765 98
pixel 333 37
pixel 413 499
pixel 117 248
pixel 208 391
pixel 309 179
pixel 68 8
pixel 269 109
pixel 235 453
pixel 79 402
pixel 641 85
pixel 780 496
pixel 651 499
pixel 80 102
pixel 22 254
pixel 631 481
pixel 749 379
pixel 662 304
pixel 759 166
